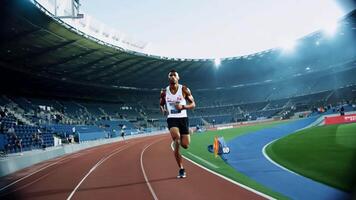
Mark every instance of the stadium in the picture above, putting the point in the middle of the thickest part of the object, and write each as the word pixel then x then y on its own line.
pixel 80 116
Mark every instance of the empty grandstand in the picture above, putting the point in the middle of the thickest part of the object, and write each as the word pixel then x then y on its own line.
pixel 77 79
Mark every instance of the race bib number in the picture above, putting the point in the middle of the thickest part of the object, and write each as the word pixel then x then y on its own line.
pixel 173 108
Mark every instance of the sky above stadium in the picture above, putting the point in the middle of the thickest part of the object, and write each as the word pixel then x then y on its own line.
pixel 212 28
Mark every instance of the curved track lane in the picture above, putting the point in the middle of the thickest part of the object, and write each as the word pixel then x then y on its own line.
pixel 141 168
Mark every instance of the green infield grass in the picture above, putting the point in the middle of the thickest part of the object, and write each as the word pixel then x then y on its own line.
pixel 326 154
pixel 199 153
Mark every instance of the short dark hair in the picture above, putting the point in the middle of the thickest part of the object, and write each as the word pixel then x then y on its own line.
pixel 172 71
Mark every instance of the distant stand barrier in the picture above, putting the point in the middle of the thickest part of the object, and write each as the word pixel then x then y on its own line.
pixel 343 119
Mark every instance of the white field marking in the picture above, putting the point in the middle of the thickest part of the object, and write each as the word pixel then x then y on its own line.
pixel 206 162
pixel 3 188
pixel 228 179
pixel 232 181
pixel 117 150
pixel 273 162
pixel 144 173
pixel 199 158
pixel 280 166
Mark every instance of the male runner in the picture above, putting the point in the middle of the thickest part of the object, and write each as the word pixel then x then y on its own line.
pixel 175 100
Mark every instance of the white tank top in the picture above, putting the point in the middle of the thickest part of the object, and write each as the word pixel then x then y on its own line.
pixel 172 100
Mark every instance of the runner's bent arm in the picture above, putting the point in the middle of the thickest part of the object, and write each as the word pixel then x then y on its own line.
pixel 187 94
pixel 162 102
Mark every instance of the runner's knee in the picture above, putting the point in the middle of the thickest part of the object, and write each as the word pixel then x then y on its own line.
pixel 176 139
pixel 185 144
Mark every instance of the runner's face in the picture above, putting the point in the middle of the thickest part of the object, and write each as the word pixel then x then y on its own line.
pixel 173 77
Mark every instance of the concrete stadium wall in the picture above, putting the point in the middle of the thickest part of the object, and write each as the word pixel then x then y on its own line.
pixel 15 162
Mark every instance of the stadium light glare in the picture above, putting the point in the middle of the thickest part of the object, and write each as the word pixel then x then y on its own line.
pixel 330 28
pixel 217 62
pixel 289 46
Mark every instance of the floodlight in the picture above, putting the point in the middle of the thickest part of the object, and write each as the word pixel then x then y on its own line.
pixel 217 62
pixel 289 46
pixel 330 28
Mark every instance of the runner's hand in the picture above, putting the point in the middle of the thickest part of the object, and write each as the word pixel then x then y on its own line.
pixel 179 107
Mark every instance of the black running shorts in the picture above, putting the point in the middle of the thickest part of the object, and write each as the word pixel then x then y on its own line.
pixel 181 123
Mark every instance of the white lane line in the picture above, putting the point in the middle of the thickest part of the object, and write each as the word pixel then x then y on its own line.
pixel 3 188
pixel 26 185
pixel 144 173
pixel 117 150
pixel 206 162
pixel 199 158
pixel 228 179
pixel 232 181
pixel 59 160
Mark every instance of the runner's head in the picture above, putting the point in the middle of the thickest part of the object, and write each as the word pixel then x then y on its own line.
pixel 173 77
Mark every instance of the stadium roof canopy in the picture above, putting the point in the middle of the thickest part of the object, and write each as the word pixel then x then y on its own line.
pixel 33 42
pixel 36 46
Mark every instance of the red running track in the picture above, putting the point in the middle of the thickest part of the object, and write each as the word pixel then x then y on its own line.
pixel 141 168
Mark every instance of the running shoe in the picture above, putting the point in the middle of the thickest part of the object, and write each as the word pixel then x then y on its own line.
pixel 181 174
